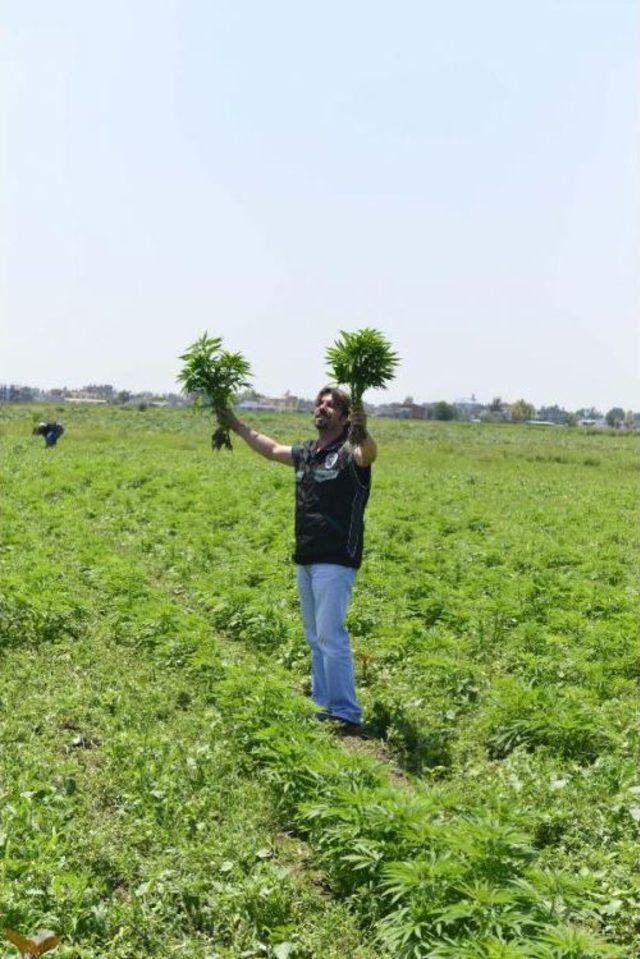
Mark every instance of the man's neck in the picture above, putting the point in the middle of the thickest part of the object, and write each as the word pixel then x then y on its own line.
pixel 327 437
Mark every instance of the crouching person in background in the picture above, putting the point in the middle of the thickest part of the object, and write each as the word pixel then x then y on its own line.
pixel 51 432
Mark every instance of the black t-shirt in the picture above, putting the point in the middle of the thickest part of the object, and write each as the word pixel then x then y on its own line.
pixel 331 495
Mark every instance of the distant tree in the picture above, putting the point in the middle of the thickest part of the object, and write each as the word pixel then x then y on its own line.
pixel 555 414
pixel 408 401
pixel 588 413
pixel 615 416
pixel 443 411
pixel 22 394
pixel 522 411
pixel 496 404
pixel 122 396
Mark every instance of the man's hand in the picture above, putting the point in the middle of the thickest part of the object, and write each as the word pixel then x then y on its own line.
pixel 358 426
pixel 364 447
pixel 228 419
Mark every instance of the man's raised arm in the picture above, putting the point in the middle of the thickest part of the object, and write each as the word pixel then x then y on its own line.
pixel 263 445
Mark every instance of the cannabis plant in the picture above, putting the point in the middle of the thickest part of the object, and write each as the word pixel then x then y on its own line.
pixel 362 360
pixel 213 376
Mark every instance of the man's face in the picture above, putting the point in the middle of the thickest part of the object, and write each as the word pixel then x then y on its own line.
pixel 326 415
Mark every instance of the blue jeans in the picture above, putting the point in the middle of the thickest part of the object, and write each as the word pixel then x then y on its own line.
pixel 53 435
pixel 325 592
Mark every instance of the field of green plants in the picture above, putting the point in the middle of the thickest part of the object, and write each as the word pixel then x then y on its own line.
pixel 165 788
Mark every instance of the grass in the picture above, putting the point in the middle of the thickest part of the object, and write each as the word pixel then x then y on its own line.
pixel 153 664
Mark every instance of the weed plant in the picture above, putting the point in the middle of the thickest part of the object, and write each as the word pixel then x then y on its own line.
pixel 165 790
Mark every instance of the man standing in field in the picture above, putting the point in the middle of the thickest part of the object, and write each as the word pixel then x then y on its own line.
pixel 333 480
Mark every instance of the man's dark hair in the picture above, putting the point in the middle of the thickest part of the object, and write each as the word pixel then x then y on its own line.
pixel 341 399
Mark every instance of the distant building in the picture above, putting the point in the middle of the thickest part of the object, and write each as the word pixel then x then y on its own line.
pixel 396 411
pixel 102 391
pixel 468 408
pixel 417 412
pixel 595 424
pixel 286 403
pixel 78 397
pixel 276 404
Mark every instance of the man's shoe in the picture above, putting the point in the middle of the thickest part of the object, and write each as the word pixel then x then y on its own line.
pixel 344 728
pixel 324 716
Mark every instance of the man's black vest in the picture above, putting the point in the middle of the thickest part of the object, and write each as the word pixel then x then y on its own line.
pixel 331 494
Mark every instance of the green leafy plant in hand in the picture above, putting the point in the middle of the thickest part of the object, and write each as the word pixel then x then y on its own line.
pixel 214 376
pixel 362 361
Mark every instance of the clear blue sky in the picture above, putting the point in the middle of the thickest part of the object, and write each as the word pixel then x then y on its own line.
pixel 463 176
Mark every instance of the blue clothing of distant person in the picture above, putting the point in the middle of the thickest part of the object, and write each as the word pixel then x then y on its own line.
pixel 333 479
pixel 50 431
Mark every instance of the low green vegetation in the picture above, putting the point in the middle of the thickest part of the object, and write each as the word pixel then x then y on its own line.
pixel 166 790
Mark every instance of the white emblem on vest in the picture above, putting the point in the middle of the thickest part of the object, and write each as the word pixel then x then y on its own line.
pixel 331 461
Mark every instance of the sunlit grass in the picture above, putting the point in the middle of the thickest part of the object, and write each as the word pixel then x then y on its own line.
pixel 148 610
